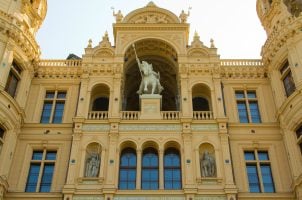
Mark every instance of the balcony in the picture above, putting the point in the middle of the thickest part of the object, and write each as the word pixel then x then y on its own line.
pixel 165 115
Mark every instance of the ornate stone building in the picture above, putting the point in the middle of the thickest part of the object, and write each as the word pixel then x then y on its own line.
pixel 221 129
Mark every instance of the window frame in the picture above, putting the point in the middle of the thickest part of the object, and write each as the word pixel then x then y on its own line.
pixel 41 163
pixel 128 168
pixel 15 73
pixel 173 168
pixel 148 168
pixel 258 162
pixel 53 101
pixel 2 137
pixel 286 73
pixel 248 101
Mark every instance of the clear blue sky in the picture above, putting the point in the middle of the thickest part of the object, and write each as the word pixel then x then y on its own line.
pixel 233 24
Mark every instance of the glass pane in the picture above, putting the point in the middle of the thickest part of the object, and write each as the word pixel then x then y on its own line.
pixel 253 178
pixel 11 84
pixel 1 132
pixel 263 155
pixel 284 67
pixel 239 94
pixel 249 155
pixel 255 115
pixel 61 95
pixel 37 155
pixel 50 95
pixel 243 118
pixel 289 84
pixel 58 114
pixel 32 179
pixel 267 178
pixel 16 67
pixel 51 155
pixel 46 112
pixel 299 132
pixel 251 94
pixel 47 178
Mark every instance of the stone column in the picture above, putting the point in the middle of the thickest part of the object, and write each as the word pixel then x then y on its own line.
pixel 230 187
pixel 185 101
pixel 197 165
pixel 217 99
pixel 115 94
pixel 84 97
pixel 102 164
pixel 187 157
pixel 112 158
pixel 138 168
pixel 161 168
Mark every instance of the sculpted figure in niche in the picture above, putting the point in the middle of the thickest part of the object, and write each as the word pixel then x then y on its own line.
pixel 149 78
pixel 207 165
pixel 92 165
pixel 294 6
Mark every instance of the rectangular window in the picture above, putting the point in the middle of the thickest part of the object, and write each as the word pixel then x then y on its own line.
pixel 247 106
pixel 41 171
pixel 13 79
pixel 53 107
pixel 259 172
pixel 1 138
pixel 299 137
pixel 287 79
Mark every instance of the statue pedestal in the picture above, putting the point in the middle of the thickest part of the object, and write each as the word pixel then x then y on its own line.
pixel 150 105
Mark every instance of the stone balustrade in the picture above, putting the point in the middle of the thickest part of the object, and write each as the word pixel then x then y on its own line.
pixel 203 115
pixel 98 115
pixel 241 62
pixel 130 115
pixel 170 115
pixel 60 63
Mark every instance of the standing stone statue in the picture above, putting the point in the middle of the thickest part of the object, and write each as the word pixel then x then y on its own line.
pixel 92 165
pixel 207 165
pixel 149 78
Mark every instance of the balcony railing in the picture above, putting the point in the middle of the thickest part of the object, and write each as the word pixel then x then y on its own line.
pixel 135 115
pixel 130 115
pixel 203 115
pixel 170 115
pixel 60 63
pixel 98 115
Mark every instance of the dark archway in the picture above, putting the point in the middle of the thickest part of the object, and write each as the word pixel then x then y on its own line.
pixel 163 57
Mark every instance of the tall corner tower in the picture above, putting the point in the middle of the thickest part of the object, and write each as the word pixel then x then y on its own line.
pixel 19 22
pixel 282 54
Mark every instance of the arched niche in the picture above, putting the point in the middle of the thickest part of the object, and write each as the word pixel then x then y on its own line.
pixel 207 160
pixel 201 98
pixel 93 160
pixel 99 100
pixel 163 57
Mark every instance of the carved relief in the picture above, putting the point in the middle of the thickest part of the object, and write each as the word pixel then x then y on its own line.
pixel 293 6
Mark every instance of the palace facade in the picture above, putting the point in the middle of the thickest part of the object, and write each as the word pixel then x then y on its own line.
pixel 221 129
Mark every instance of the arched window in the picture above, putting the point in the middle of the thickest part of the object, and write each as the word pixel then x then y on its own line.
pixel 150 169
pixel 1 138
pixel 127 174
pixel 200 104
pixel 100 104
pixel 172 170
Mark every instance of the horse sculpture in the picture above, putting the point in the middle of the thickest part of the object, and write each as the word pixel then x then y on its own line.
pixel 149 78
pixel 208 166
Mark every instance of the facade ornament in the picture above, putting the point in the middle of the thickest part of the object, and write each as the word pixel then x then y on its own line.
pixel 149 77
pixel 212 43
pixel 207 165
pixel 92 165
pixel 293 6
pixel 184 16
pixel 118 16
pixel 89 43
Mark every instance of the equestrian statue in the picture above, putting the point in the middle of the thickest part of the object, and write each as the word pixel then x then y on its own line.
pixel 149 78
